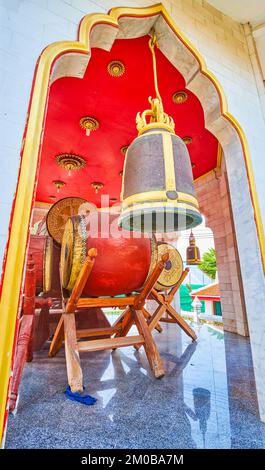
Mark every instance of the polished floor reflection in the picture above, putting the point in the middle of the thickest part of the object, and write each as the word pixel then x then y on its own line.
pixel 206 400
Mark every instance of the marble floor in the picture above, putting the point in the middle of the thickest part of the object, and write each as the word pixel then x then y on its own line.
pixel 207 398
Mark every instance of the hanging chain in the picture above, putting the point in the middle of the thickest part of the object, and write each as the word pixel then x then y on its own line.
pixel 155 113
pixel 152 44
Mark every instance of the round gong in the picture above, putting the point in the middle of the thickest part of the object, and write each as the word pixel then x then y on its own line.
pixel 59 213
pixel 173 269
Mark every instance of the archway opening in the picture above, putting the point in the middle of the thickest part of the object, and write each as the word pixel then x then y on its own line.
pixel 70 60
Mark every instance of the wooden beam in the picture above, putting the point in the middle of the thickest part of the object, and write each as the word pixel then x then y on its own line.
pixel 155 318
pixel 57 339
pixel 103 302
pixel 181 322
pixel 74 371
pixel 174 289
pixel 81 280
pixel 168 320
pixel 149 344
pixel 160 298
pixel 109 343
pixel 148 317
pixel 141 298
pixel 96 332
pixel 124 322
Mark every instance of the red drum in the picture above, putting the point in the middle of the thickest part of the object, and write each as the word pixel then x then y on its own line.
pixel 41 248
pixel 124 261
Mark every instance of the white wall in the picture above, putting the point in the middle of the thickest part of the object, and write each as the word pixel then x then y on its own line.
pixel 259 35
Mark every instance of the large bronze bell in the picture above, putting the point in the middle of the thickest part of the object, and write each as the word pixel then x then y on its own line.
pixel 158 192
pixel 157 189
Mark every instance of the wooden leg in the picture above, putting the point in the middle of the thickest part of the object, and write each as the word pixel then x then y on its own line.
pixel 125 322
pixel 58 338
pixel 154 319
pixel 74 371
pixel 149 344
pixel 148 317
pixel 181 322
pixel 41 328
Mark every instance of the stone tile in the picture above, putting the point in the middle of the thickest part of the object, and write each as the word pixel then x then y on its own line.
pixel 203 401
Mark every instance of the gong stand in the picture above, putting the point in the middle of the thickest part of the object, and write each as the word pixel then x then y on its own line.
pixel 134 314
pixel 165 307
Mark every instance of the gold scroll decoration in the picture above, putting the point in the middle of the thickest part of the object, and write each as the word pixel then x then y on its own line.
pixel 59 213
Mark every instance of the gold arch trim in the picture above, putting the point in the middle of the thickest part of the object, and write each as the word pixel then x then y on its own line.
pixel 25 193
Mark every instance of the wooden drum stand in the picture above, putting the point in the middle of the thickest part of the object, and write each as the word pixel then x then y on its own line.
pixel 134 314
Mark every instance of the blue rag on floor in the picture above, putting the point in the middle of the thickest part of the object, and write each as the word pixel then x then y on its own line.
pixel 85 399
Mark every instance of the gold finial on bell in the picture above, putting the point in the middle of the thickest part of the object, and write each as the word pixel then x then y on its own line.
pixel 192 253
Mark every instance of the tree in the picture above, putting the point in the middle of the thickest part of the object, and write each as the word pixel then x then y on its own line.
pixel 208 263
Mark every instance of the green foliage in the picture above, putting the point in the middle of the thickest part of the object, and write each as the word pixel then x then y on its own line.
pixel 208 263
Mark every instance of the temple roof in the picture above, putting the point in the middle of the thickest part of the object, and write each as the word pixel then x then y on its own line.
pixel 212 290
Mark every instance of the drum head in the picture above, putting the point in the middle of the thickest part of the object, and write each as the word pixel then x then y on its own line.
pixel 59 213
pixel 73 251
pixel 174 267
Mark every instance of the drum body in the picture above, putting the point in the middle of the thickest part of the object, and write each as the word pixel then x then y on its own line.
pixel 41 249
pixel 122 264
pixel 124 261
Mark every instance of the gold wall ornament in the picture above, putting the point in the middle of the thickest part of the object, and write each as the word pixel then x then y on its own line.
pixel 89 123
pixel 59 184
pixel 116 68
pixel 97 185
pixel 124 149
pixel 187 140
pixel 70 161
pixel 179 97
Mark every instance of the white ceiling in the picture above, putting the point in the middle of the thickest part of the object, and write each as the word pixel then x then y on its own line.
pixel 244 11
